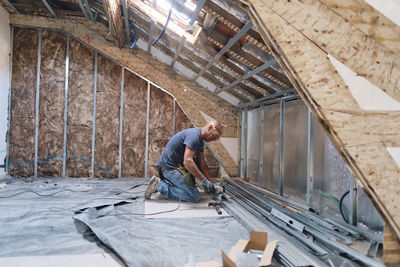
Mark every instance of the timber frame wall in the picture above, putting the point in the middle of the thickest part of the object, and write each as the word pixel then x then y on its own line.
pixel 301 35
pixel 76 113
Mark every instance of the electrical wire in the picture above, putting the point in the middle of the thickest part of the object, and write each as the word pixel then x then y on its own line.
pixel 135 38
pixel 41 195
pixel 165 27
pixel 340 206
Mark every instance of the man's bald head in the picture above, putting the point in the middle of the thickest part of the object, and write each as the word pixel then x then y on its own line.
pixel 212 131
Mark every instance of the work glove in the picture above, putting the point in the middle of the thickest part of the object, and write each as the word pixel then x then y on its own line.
pixel 208 186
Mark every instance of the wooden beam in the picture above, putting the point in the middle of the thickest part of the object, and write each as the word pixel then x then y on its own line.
pixel 391 247
pixel 360 136
pixel 113 12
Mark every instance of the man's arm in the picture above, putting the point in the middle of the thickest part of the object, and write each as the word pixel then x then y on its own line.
pixel 204 166
pixel 188 161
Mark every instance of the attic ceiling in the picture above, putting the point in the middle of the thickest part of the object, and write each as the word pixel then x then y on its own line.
pixel 210 42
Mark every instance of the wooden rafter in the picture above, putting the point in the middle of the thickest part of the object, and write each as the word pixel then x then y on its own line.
pixel 113 12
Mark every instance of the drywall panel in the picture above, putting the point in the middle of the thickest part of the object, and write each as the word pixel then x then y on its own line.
pixel 51 109
pixel 108 99
pixel 80 110
pixel 271 148
pixel 4 81
pixel 23 95
pixel 134 126
pixel 160 126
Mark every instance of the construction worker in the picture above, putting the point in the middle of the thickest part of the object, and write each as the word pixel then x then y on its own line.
pixel 185 152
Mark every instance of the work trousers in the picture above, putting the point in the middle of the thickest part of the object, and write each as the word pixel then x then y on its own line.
pixel 177 190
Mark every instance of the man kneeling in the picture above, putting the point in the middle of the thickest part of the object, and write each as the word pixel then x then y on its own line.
pixel 185 149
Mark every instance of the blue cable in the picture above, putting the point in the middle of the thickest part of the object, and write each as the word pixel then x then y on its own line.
pixel 340 206
pixel 135 35
pixel 165 27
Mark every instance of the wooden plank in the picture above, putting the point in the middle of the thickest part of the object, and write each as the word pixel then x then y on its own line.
pixel 338 37
pixel 115 23
pixel 369 20
pixel 391 247
pixel 360 137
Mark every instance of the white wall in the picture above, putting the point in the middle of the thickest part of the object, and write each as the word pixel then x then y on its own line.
pixel 4 80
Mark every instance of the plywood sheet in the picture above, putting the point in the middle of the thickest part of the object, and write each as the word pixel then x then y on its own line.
pixel 134 126
pixel 160 125
pixel 51 110
pixel 80 110
pixel 23 95
pixel 108 99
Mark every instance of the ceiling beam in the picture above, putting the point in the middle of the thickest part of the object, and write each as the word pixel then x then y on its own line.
pixel 49 8
pixel 230 43
pixel 196 12
pixel 89 11
pixel 11 6
pixel 178 51
pixel 83 9
pixel 151 33
pixel 268 97
pixel 246 76
pixel 113 11
pixel 126 16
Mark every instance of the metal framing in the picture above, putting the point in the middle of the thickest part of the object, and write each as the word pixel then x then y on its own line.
pixel 246 76
pixel 9 98
pixel 261 161
pixel 196 12
pixel 11 6
pixel 94 112
pixel 282 146
pixel 178 52
pixel 121 121
pixel 83 9
pixel 353 201
pixel 240 143
pixel 146 156
pixel 65 106
pixel 230 43
pixel 151 32
pixel 126 15
pixel 310 159
pixel 263 100
pixel 49 8
pixel 90 13
pixel 37 101
pixel 173 117
pixel 245 144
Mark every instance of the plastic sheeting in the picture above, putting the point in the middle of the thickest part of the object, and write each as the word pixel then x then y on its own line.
pixel 35 225
pixel 253 145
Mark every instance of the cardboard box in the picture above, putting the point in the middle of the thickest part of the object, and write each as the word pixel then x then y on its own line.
pixel 257 241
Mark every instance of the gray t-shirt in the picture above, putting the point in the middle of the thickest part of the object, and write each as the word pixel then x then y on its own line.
pixel 174 151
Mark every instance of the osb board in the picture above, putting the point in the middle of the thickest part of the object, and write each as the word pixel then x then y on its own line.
pixel 134 126
pixel 80 110
pixel 391 247
pixel 23 96
pixel 193 98
pixel 326 93
pixel 369 20
pixel 337 36
pixel 108 99
pixel 182 122
pixel 160 125
pixel 51 110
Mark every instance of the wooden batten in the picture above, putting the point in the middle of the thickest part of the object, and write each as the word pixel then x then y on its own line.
pixel 391 247
pixel 113 12
pixel 300 35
